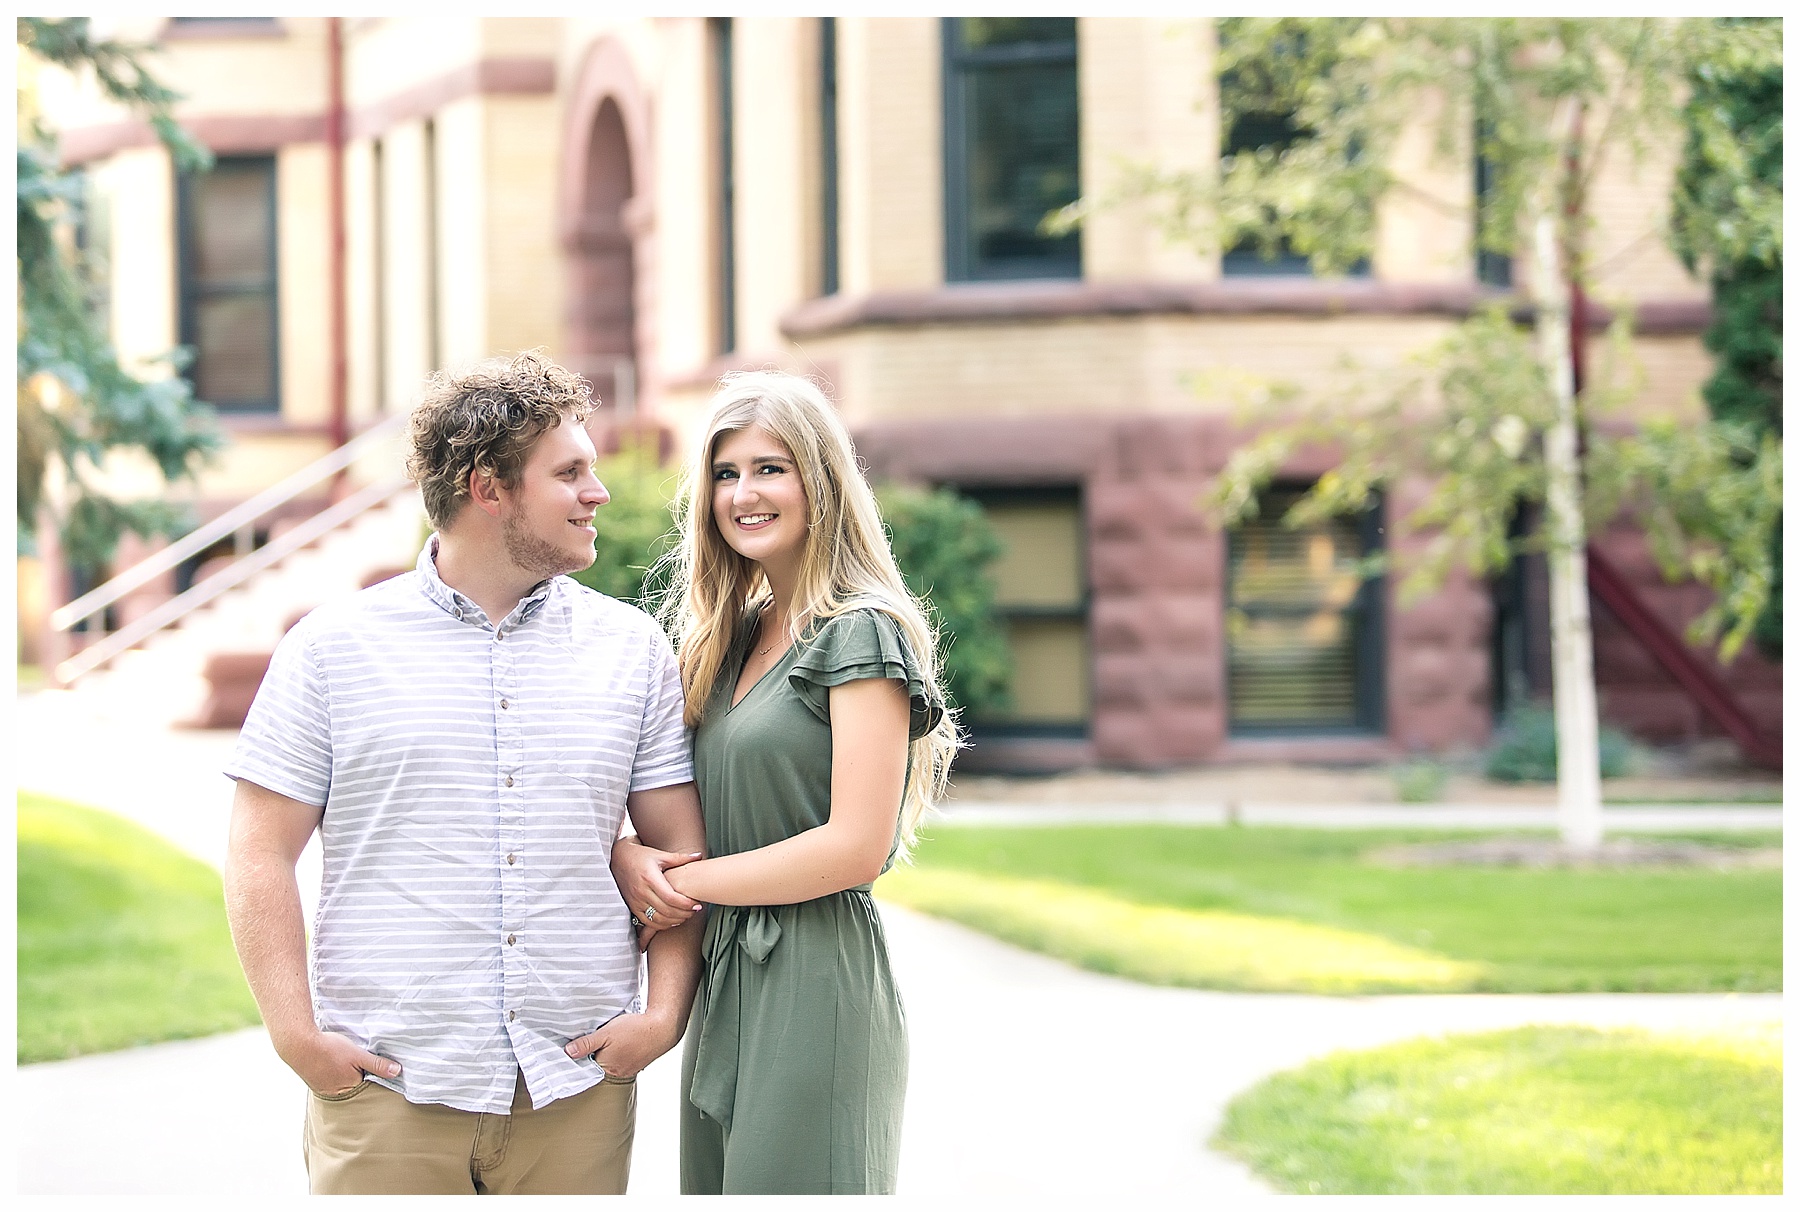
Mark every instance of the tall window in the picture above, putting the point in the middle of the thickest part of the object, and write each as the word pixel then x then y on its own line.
pixel 828 156
pixel 1302 627
pixel 1254 130
pixel 1491 268
pixel 1042 599
pixel 726 210
pixel 227 284
pixel 1011 146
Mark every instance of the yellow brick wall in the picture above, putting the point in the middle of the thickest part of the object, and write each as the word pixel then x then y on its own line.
pixel 1145 92
pixel 1629 214
pixel 525 286
pixel 462 189
pixel 775 120
pixel 406 256
pixel 1112 366
pixel 685 138
pixel 303 239
pixel 1425 228
pixel 388 55
pixel 890 123
pixel 141 186
pixel 362 320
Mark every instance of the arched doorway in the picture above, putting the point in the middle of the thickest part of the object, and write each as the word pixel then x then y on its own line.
pixel 602 270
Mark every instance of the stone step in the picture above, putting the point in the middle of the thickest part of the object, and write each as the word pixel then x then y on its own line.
pixel 163 679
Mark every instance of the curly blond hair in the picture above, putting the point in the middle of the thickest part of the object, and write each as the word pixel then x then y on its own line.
pixel 487 418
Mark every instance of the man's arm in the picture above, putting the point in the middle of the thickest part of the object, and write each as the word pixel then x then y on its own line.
pixel 669 819
pixel 262 903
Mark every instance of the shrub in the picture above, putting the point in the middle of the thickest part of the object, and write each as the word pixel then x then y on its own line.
pixel 1525 749
pixel 946 549
pixel 1421 781
pixel 636 527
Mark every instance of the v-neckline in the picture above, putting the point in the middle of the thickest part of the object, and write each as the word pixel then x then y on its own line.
pixel 760 679
pixel 732 704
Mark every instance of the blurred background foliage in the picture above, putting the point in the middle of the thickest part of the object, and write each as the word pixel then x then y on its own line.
pixel 637 526
pixel 77 405
pixel 1727 224
pixel 947 549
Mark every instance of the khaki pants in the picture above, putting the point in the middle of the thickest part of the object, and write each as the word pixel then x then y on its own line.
pixel 371 1141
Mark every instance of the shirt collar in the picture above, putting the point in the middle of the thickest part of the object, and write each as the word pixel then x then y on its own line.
pixel 463 608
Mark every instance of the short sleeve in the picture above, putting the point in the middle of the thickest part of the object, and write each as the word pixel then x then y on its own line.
pixel 663 756
pixel 285 744
pixel 856 645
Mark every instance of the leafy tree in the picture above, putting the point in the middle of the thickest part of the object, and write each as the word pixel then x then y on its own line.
pixel 946 549
pixel 76 403
pixel 1727 222
pixel 1489 416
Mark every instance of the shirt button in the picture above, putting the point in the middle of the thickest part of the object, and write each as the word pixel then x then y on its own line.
pixel 505 706
pixel 511 1015
pixel 509 780
pixel 511 939
pixel 511 859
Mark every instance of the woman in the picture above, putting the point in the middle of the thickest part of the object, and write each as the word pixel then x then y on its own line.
pixel 820 737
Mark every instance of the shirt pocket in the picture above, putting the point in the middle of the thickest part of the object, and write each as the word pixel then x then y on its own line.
pixel 597 748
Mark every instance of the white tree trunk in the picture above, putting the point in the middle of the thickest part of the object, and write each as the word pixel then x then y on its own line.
pixel 1571 632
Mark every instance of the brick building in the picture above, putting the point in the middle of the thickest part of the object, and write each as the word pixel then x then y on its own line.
pixel 659 200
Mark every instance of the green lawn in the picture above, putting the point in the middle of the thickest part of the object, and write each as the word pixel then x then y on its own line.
pixel 1298 909
pixel 1538 1110
pixel 122 938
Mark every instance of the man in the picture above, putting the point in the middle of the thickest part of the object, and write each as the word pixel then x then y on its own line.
pixel 466 739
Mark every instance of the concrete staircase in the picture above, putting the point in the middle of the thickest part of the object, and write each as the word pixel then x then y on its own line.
pixel 165 681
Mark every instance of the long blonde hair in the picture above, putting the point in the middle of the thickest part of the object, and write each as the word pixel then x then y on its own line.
pixel 846 564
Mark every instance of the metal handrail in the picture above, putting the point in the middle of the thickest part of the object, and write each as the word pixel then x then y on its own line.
pixel 230 522
pixel 228 578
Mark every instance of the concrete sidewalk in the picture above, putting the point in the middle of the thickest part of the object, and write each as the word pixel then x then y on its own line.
pixel 1028 1077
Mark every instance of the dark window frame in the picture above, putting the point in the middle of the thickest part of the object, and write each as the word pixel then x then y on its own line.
pixel 1491 268
pixel 190 294
pixel 721 31
pixel 1245 260
pixel 828 157
pixel 986 494
pixel 1369 642
pixel 958 63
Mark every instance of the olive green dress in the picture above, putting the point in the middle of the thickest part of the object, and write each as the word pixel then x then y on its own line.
pixel 795 1064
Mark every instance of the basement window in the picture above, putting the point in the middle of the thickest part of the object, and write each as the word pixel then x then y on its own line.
pixel 1302 626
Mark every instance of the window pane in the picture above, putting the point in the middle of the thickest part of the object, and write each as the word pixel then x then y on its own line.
pixel 1023 161
pixel 231 226
pixel 1042 563
pixel 1291 622
pixel 983 33
pixel 235 363
pixel 1050 672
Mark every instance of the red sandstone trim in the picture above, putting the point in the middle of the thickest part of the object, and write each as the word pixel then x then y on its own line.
pixel 1011 302
pixel 236 134
pixel 607 73
pixel 191 30
pixel 224 134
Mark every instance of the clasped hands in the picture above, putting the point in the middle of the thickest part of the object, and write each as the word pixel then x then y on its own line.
pixel 641 873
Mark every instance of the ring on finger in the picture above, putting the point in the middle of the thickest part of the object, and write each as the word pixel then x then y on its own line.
pixel 649 914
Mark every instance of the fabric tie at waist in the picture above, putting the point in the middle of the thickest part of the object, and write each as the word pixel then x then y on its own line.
pixel 755 930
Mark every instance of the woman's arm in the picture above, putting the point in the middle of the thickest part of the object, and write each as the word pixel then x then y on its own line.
pixel 868 773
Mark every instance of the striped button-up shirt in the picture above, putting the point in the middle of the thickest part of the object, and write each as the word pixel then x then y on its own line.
pixel 473 778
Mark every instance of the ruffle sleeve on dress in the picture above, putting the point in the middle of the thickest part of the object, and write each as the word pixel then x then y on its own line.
pixel 856 645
